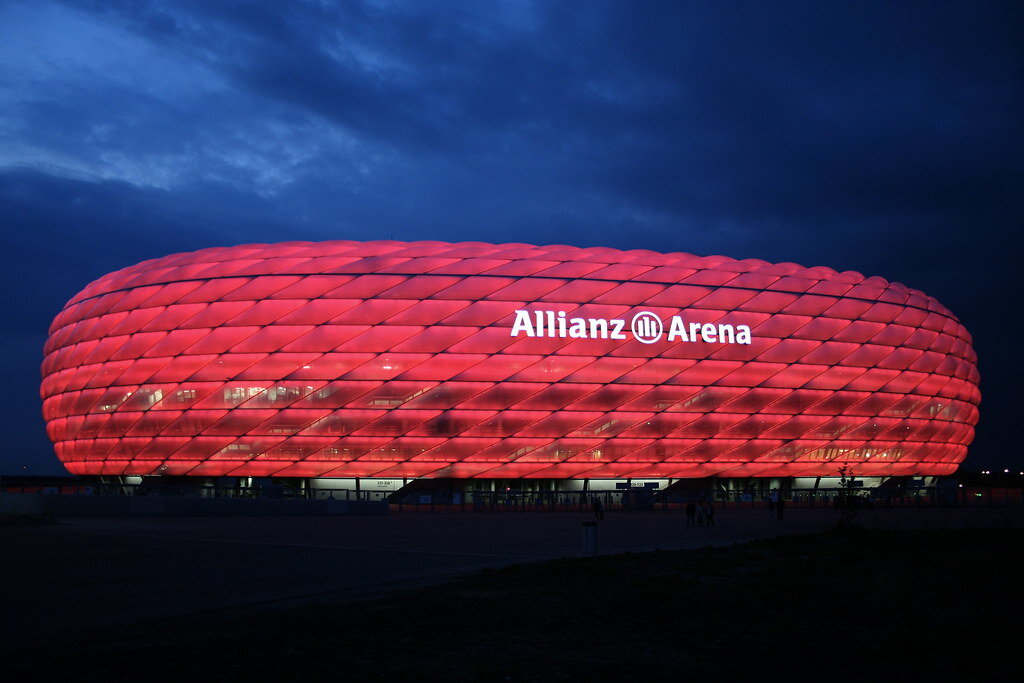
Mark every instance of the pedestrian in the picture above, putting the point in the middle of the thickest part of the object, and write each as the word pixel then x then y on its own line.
pixel 773 499
pixel 779 507
pixel 691 514
pixel 709 514
pixel 598 509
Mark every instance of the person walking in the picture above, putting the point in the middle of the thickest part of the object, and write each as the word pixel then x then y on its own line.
pixel 598 509
pixel 709 513
pixel 691 514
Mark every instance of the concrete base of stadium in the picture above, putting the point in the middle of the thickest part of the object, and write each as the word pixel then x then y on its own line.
pixel 246 496
pixel 448 490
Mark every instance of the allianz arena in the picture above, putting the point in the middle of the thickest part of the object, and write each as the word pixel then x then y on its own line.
pixel 479 361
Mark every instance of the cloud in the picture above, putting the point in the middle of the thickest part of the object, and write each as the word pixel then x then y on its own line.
pixel 876 137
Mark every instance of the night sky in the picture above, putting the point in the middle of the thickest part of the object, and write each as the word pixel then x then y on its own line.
pixel 883 137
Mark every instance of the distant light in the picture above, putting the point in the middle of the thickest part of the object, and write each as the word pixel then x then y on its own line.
pixel 1006 471
pixel 960 485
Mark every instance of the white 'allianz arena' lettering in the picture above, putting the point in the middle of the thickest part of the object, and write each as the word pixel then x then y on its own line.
pixel 556 324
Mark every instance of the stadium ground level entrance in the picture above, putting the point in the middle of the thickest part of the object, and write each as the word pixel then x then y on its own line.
pixel 541 494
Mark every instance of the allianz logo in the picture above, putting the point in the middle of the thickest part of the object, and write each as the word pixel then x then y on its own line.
pixel 646 328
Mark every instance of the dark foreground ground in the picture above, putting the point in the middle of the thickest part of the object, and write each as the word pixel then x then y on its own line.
pixel 860 605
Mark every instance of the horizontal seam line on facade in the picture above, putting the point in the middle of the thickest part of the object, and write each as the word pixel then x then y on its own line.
pixel 614 381
pixel 522 277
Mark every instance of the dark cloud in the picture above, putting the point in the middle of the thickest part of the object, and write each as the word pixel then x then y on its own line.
pixel 878 137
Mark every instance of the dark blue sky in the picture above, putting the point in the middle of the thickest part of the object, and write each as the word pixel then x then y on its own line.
pixel 879 137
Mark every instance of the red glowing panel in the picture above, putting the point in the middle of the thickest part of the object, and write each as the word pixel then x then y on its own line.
pixel 354 359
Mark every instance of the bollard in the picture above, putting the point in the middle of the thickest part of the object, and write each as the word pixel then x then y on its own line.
pixel 590 538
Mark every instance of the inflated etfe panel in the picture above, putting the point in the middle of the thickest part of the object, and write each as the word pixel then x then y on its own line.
pixel 392 359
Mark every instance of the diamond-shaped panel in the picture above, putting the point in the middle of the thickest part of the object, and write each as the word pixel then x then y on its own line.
pixel 351 359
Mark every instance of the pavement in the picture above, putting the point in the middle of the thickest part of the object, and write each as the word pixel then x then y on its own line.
pixel 81 574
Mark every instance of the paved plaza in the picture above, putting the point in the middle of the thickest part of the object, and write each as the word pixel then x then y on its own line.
pixel 80 574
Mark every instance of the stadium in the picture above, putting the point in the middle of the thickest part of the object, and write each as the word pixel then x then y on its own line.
pixel 355 365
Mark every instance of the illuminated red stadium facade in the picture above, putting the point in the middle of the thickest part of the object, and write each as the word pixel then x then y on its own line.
pixel 472 360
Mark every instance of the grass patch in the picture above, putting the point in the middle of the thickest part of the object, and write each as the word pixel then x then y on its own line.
pixel 856 605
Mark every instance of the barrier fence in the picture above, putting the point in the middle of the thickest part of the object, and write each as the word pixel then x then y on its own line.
pixel 566 501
